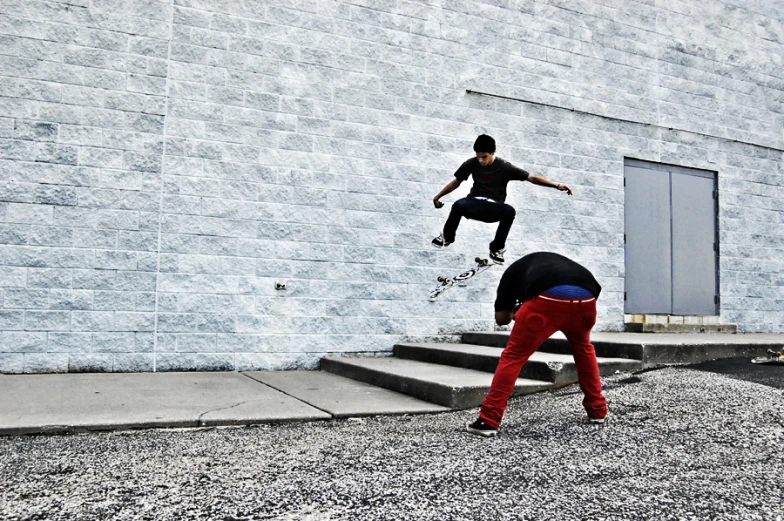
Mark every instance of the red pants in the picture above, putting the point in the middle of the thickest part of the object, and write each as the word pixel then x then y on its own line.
pixel 535 322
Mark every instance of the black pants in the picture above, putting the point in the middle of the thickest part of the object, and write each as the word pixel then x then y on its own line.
pixel 485 211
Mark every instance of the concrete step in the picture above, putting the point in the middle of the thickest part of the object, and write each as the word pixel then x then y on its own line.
pixel 454 387
pixel 557 368
pixel 616 348
pixel 654 349
pixel 646 327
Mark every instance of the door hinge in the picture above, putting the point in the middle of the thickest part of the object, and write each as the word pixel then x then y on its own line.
pixel 624 238
pixel 715 194
pixel 716 247
pixel 624 181
pixel 624 295
pixel 715 299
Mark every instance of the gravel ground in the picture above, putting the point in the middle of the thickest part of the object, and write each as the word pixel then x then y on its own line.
pixel 680 445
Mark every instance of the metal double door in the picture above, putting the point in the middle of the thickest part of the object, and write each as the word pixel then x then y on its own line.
pixel 671 244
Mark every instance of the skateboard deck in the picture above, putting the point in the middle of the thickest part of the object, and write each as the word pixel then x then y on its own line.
pixel 444 283
pixel 773 357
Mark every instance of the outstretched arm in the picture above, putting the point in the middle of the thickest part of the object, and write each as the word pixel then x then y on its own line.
pixel 541 181
pixel 450 187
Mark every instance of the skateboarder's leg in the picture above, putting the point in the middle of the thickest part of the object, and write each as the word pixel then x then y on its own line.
pixel 460 209
pixel 578 333
pixel 532 327
pixel 506 218
pixel 492 212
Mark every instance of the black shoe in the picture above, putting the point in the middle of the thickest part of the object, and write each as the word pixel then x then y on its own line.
pixel 497 256
pixel 480 428
pixel 440 242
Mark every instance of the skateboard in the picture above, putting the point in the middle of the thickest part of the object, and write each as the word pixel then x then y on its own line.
pixel 773 357
pixel 444 283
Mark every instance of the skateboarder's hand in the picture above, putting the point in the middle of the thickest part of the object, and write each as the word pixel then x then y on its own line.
pixel 437 203
pixel 563 188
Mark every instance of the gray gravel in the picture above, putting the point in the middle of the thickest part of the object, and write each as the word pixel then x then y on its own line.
pixel 680 445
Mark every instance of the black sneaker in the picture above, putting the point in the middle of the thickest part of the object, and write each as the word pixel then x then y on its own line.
pixel 497 256
pixel 439 241
pixel 480 428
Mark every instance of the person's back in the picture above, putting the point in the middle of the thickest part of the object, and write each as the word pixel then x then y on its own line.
pixel 544 292
pixel 538 272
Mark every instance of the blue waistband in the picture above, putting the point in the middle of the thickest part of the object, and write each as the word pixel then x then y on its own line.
pixel 568 291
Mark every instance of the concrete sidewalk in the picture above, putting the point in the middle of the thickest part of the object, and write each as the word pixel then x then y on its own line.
pixel 77 402
pixel 73 402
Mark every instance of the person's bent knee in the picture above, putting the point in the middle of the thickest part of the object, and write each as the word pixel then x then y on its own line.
pixel 509 212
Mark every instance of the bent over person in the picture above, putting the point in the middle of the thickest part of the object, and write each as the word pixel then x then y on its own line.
pixel 557 294
pixel 485 202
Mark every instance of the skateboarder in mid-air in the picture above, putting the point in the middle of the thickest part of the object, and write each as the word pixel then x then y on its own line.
pixel 485 202
pixel 557 294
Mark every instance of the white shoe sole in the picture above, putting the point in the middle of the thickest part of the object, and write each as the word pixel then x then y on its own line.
pixel 484 434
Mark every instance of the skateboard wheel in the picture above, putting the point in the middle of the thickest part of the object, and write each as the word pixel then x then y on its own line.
pixel 441 279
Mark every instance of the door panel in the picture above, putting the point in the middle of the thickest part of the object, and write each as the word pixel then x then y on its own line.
pixel 648 282
pixel 693 238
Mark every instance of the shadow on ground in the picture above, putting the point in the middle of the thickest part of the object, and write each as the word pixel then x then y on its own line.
pixel 741 368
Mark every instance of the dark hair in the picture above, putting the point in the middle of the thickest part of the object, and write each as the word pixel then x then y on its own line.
pixel 484 143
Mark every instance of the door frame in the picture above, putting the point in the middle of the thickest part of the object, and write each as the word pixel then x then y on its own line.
pixel 701 172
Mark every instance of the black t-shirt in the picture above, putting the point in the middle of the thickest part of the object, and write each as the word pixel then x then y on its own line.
pixel 490 181
pixel 537 272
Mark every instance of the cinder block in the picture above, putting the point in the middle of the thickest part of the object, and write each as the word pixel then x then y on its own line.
pixel 29 213
pixel 194 361
pixel 50 236
pixel 197 343
pixel 35 130
pixel 127 321
pixel 90 363
pixel 22 342
pixel 11 276
pixel 70 342
pixel 11 362
pixel 108 342
pixel 48 278
pixel 276 361
pixel 45 363
pixel 133 362
pixel 26 299
pixel 116 260
pixel 94 279
pixel 70 299
pixel 92 321
pixel 135 281
pixel 44 320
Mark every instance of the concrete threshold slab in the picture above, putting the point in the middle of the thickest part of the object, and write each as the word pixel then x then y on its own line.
pixel 343 397
pixel 687 338
pixel 116 401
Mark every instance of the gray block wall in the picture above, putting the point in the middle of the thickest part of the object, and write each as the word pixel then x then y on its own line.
pixel 163 163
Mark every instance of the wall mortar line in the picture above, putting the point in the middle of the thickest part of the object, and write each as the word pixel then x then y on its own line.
pixel 160 195
pixel 663 127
